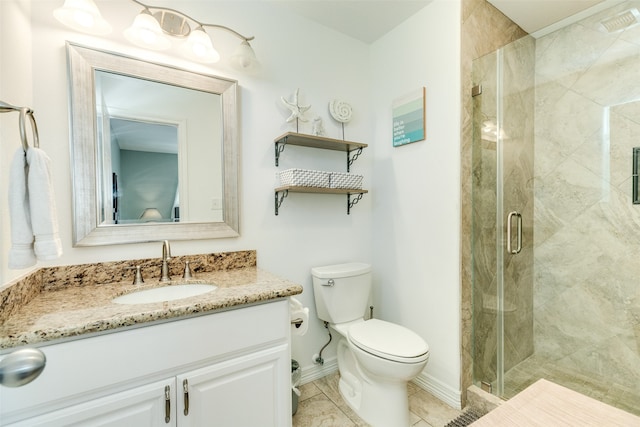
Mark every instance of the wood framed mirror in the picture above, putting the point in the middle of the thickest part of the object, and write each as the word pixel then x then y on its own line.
pixel 154 151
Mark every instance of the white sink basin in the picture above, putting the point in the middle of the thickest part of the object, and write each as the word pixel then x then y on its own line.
pixel 164 293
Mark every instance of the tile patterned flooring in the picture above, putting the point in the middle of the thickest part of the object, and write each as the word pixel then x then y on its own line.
pixel 320 405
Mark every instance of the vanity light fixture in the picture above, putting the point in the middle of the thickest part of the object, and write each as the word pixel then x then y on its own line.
pixel 198 47
pixel 244 57
pixel 154 27
pixel 82 15
pixel 146 32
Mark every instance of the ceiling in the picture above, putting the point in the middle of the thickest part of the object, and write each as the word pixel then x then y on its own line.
pixel 533 15
pixel 365 20
pixel 368 20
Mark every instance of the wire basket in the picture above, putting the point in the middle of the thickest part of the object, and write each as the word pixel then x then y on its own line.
pixel 303 178
pixel 345 180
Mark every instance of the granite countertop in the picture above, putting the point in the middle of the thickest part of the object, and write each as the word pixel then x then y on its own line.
pixel 74 311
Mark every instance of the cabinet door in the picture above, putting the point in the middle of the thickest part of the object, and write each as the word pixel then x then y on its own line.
pixel 138 407
pixel 248 391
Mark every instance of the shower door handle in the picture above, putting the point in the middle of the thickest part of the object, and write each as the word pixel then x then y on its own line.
pixel 518 232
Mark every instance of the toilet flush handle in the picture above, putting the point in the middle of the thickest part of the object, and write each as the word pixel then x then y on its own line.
pixel 330 282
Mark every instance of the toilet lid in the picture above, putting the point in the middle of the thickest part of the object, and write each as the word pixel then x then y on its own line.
pixel 389 341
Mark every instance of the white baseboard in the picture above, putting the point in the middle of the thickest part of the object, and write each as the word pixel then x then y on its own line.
pixel 312 373
pixel 440 390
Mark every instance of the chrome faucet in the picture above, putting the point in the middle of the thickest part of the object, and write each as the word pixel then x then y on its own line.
pixel 166 256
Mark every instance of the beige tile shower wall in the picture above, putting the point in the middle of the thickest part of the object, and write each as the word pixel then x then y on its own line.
pixel 484 29
pixel 587 231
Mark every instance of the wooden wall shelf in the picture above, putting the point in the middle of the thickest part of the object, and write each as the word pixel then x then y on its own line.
pixel 324 143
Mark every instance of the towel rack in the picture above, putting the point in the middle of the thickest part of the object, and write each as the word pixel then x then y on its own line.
pixel 24 112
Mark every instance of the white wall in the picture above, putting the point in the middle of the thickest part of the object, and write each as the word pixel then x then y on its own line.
pixel 416 206
pixel 16 89
pixel 295 53
pixel 407 226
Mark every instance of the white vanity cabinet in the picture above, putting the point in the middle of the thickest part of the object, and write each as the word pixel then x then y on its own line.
pixel 141 406
pixel 241 392
pixel 229 368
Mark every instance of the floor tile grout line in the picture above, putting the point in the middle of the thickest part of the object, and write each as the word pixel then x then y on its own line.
pixel 325 387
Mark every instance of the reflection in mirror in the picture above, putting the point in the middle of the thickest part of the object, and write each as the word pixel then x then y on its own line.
pixel 144 176
pixel 144 143
pixel 154 150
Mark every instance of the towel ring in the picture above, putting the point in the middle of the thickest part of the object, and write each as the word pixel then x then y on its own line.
pixel 24 112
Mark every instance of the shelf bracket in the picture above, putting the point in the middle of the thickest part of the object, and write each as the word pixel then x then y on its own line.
pixel 279 200
pixel 351 203
pixel 350 159
pixel 279 149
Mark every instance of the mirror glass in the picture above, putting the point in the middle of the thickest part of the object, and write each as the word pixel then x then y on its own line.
pixel 148 163
pixel 154 151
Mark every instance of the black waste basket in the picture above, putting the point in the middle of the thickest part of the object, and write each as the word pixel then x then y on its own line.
pixel 295 382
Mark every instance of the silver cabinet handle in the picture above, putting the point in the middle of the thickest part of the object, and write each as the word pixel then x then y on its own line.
pixel 21 367
pixel 167 404
pixel 518 232
pixel 185 390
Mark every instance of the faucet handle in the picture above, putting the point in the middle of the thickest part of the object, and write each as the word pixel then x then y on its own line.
pixel 137 279
pixel 187 271
pixel 166 256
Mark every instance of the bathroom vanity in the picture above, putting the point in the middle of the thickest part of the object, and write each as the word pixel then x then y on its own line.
pixel 221 358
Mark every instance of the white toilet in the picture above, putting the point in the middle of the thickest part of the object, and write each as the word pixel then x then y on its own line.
pixel 375 358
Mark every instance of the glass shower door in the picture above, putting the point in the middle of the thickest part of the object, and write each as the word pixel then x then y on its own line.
pixel 502 224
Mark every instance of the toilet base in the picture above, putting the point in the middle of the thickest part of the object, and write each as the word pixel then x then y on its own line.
pixel 380 404
pixel 366 403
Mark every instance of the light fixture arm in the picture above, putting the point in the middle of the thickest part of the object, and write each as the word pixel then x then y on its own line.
pixel 152 28
pixel 248 39
pixel 200 24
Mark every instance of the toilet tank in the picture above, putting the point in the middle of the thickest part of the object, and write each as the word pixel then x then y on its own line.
pixel 342 291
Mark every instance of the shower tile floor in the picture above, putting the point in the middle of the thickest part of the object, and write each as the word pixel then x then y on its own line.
pixel 598 387
pixel 320 405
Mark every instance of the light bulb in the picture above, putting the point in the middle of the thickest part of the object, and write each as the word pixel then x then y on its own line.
pixel 83 18
pixel 146 32
pixel 244 58
pixel 199 47
pixel 82 15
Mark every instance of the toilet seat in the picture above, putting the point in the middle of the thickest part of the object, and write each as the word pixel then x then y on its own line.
pixel 389 341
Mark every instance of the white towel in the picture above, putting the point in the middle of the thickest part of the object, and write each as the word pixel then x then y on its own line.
pixel 21 254
pixel 34 222
pixel 44 220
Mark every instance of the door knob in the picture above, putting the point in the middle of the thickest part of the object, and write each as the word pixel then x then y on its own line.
pixel 21 367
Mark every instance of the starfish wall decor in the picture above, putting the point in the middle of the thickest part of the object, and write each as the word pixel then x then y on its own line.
pixel 297 110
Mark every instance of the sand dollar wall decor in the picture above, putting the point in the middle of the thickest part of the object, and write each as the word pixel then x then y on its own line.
pixel 340 110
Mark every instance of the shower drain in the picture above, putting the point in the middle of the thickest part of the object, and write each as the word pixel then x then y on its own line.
pixel 464 419
pixel 621 21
